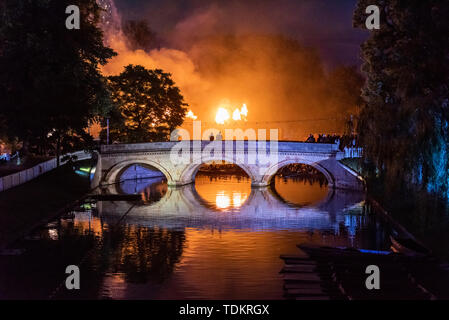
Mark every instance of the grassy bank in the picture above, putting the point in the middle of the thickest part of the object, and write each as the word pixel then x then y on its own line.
pixel 26 205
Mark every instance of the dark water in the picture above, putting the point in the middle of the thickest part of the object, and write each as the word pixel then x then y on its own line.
pixel 217 239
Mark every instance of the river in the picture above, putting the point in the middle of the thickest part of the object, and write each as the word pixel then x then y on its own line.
pixel 216 239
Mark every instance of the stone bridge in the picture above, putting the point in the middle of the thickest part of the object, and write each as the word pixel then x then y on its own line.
pixel 180 161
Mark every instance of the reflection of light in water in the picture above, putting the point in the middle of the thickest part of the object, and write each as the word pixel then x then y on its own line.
pixel 223 192
pixel 117 285
pixel 223 200
pixel 84 220
pixel 154 191
pixel 300 192
pixel 237 199
pixel 150 189
pixel 53 234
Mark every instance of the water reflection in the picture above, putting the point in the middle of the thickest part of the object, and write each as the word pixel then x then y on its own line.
pixel 151 189
pixel 228 192
pixel 300 192
pixel 256 209
pixel 217 239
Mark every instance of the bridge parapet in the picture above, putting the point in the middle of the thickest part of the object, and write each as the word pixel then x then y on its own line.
pixel 252 145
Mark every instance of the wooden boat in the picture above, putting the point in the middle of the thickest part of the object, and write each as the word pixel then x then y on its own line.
pixel 346 251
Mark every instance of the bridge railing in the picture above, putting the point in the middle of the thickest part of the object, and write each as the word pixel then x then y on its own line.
pixel 282 146
pixel 353 152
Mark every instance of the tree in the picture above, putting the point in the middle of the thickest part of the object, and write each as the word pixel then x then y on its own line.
pixel 344 85
pixel 50 83
pixel 404 124
pixel 149 105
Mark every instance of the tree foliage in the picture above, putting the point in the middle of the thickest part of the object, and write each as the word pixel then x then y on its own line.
pixel 149 105
pixel 404 122
pixel 50 83
pixel 344 85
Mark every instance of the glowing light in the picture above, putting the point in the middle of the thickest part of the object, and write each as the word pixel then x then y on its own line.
pixel 236 115
pixel 191 115
pixel 222 116
pixel 244 110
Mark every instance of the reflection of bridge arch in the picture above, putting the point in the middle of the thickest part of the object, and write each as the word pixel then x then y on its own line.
pixel 188 197
pixel 268 193
pixel 271 172
pixel 113 174
pixel 181 207
pixel 330 193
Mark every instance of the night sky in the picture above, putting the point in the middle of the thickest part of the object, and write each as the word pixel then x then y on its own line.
pixel 324 24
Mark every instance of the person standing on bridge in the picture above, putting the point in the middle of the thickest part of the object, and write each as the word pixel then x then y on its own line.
pixel 337 142
pixel 310 139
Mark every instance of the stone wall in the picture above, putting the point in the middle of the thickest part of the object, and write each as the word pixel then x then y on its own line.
pixel 18 178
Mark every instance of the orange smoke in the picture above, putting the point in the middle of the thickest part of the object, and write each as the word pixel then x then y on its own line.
pixel 280 79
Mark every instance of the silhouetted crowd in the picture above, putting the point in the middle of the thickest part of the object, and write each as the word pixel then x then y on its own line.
pixel 342 141
pixel 302 172
pixel 323 138
pixel 221 167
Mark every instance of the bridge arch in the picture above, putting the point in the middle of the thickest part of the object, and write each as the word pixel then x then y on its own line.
pixel 114 172
pixel 271 172
pixel 189 173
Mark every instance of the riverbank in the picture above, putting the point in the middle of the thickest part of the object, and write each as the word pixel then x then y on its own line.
pixel 423 215
pixel 25 206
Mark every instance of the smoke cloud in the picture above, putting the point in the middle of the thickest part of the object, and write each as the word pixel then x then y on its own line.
pixel 233 53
